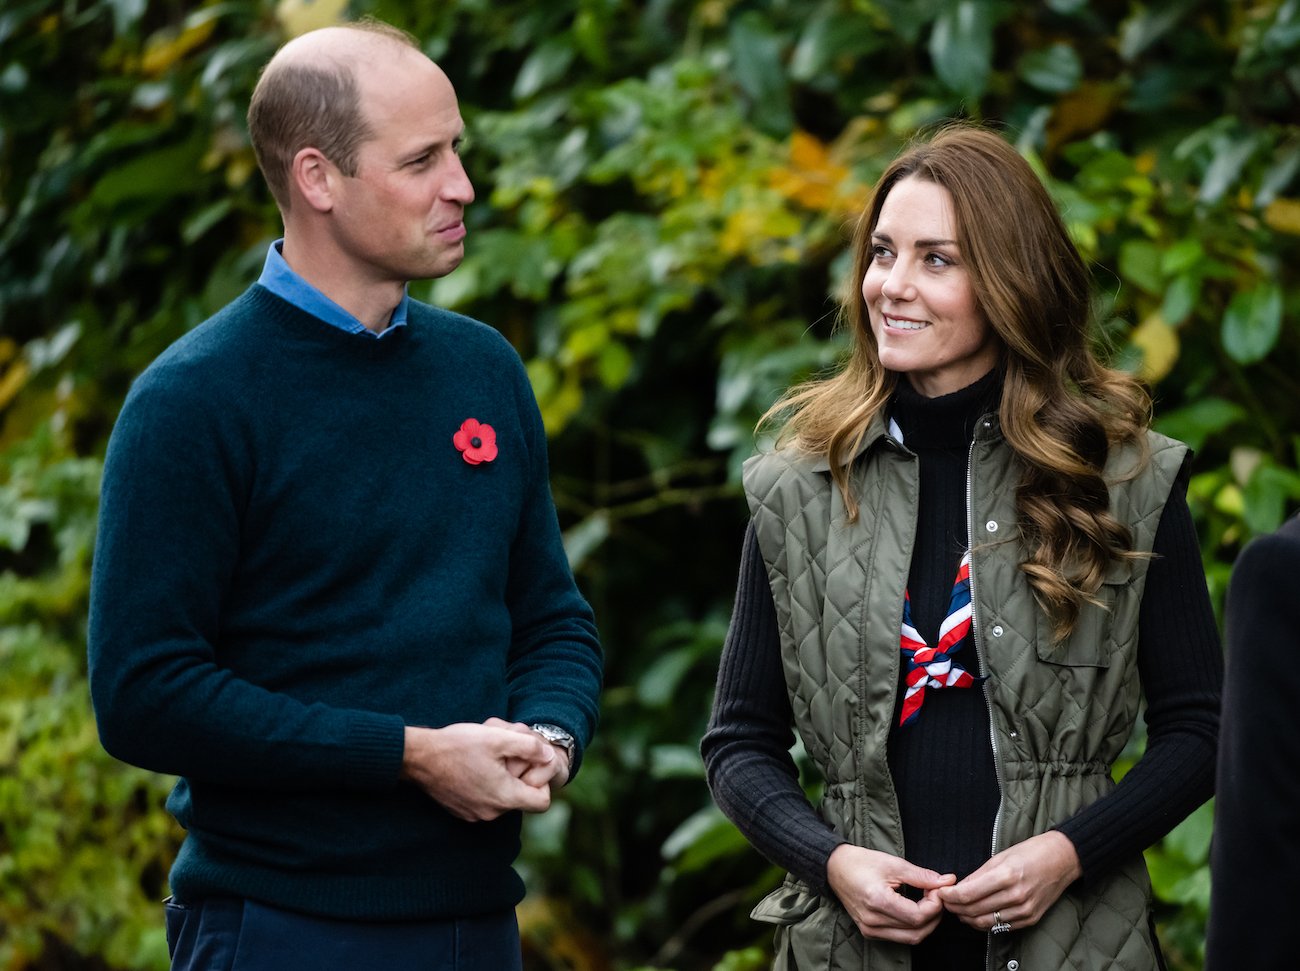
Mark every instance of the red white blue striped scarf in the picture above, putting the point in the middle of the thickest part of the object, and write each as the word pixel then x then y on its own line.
pixel 934 667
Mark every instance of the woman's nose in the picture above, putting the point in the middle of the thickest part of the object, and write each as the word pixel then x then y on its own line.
pixel 898 283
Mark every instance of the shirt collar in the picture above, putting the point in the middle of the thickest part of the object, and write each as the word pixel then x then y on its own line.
pixel 280 278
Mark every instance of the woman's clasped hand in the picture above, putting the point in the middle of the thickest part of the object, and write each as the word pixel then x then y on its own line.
pixel 1017 885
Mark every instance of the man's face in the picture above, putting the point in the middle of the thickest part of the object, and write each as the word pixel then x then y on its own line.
pixel 401 216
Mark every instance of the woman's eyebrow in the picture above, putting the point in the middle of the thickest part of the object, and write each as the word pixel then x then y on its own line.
pixel 922 243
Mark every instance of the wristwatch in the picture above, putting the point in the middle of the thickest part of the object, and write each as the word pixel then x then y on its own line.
pixel 556 736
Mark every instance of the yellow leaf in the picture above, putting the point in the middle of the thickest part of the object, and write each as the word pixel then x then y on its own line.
pixel 1283 216
pixel 1159 345
pixel 813 179
pixel 300 16
pixel 165 48
pixel 750 232
pixel 1229 500
pixel 560 406
pixel 12 381
pixel 1081 112
pixel 806 152
pixel 240 168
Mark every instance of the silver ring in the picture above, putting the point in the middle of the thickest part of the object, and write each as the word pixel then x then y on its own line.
pixel 1000 926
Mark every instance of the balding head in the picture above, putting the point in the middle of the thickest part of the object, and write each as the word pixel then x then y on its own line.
pixel 309 96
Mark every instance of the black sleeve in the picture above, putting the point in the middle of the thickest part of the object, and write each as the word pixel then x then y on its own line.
pixel 1181 666
pixel 1255 855
pixel 747 747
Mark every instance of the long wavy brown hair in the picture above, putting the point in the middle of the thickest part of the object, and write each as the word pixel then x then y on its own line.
pixel 1062 411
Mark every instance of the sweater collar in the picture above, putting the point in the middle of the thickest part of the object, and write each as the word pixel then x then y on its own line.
pixel 948 421
pixel 978 401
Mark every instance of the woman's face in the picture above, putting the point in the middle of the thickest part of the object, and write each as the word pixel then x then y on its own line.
pixel 919 295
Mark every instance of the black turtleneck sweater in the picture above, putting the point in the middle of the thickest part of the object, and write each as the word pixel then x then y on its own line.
pixel 942 763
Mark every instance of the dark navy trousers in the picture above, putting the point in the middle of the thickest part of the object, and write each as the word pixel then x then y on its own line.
pixel 226 934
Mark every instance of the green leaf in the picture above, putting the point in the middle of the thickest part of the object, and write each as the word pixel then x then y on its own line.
pixel 701 839
pixel 1196 422
pixel 1139 263
pixel 1183 255
pixel 585 538
pixel 1147 25
pixel 1056 70
pixel 196 225
pixel 961 46
pixel 1181 297
pixel 657 686
pixel 543 67
pixel 676 762
pixel 1267 495
pixel 13 79
pixel 756 57
pixel 589 33
pixel 614 364
pixel 126 14
pixel 1191 837
pixel 832 34
pixel 748 959
pixel 1231 152
pixel 154 178
pixel 1286 163
pixel 907 17
pixel 1252 323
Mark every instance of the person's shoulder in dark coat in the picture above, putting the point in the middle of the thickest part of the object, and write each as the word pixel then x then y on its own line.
pixel 1255 860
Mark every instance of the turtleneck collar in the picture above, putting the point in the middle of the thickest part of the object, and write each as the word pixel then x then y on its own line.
pixel 949 420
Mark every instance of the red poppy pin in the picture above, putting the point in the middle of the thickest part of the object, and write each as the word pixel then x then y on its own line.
pixel 476 441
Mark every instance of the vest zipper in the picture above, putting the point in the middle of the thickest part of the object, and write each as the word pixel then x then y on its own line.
pixel 984 670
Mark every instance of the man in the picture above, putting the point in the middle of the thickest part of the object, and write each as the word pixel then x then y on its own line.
pixel 1255 855
pixel 329 590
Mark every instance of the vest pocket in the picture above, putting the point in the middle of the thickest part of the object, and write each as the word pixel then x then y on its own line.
pixel 811 927
pixel 1091 644
pixel 787 904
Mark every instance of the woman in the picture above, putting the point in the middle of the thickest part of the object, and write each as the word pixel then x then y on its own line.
pixel 966 727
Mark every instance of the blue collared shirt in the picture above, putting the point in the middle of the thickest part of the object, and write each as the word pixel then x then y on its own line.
pixel 278 277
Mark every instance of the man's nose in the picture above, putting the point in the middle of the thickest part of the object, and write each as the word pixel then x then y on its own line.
pixel 457 186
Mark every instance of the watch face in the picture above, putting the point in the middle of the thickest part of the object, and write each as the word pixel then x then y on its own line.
pixel 553 733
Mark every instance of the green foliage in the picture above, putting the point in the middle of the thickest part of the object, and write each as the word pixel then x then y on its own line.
pixel 664 195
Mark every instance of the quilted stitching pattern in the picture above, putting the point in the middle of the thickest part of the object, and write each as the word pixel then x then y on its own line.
pixel 1061 714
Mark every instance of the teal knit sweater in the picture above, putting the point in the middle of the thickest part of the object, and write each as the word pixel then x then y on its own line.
pixel 294 562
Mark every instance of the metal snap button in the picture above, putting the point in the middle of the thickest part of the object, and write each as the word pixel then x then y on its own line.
pixel 997 630
pixel 991 526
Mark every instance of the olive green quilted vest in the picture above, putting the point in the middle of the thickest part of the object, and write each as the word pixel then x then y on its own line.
pixel 1060 714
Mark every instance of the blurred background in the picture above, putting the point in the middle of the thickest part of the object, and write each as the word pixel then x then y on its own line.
pixel 664 194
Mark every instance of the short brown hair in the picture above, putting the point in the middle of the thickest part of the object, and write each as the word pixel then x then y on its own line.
pixel 297 106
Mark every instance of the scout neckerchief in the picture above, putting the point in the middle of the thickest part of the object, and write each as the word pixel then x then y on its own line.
pixel 934 667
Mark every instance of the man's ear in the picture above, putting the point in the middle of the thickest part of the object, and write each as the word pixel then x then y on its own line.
pixel 314 177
